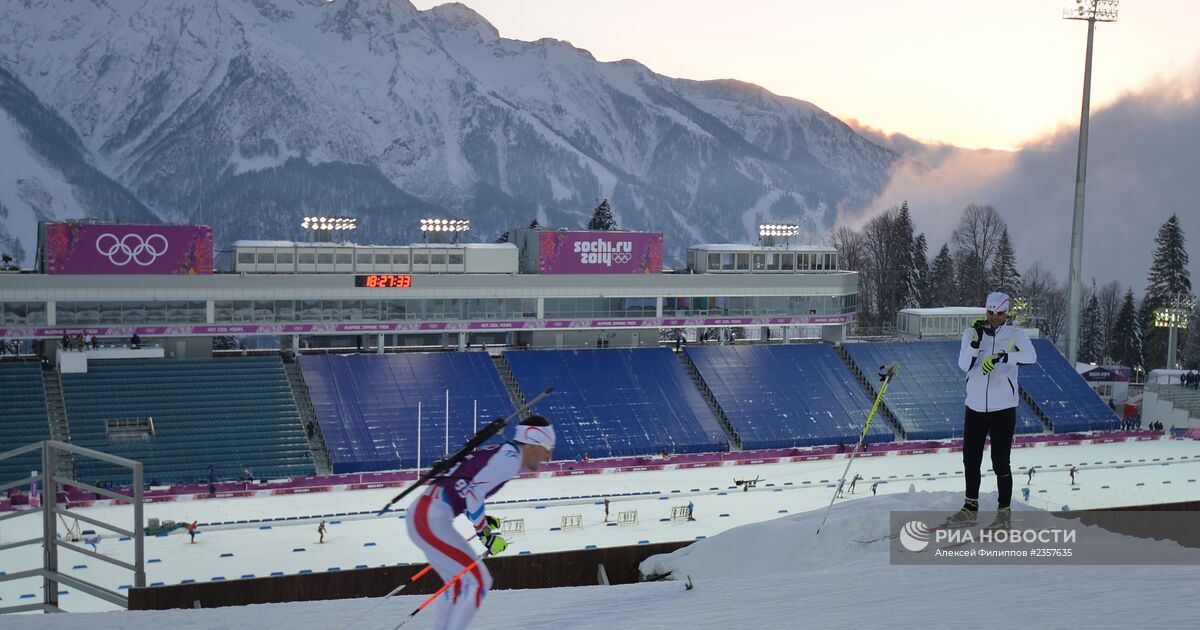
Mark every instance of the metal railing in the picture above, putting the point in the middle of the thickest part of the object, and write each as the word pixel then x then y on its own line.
pixel 51 484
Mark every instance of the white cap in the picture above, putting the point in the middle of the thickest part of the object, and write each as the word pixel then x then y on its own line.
pixel 541 436
pixel 998 302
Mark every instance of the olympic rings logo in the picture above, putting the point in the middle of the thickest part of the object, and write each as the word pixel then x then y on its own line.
pixel 621 257
pixel 131 248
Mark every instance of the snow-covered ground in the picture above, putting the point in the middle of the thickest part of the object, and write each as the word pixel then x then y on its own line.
pixel 836 572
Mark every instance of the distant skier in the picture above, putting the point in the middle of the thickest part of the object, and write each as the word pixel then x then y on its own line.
pixel 854 481
pixel 191 527
pixel 1025 493
pixel 605 509
pixel 874 486
pixel 691 511
pixel 990 352
pixel 1073 471
pixel 463 489
pixel 1030 473
pixel 321 530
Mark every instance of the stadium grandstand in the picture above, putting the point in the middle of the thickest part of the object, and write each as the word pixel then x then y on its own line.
pixel 374 410
pixel 928 402
pixel 609 403
pixel 317 358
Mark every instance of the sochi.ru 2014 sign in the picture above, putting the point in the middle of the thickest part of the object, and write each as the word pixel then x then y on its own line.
pixel 73 248
pixel 563 252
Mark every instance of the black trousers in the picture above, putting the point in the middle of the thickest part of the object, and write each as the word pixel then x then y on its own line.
pixel 976 428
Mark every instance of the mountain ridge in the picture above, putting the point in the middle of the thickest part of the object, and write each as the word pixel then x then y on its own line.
pixel 177 101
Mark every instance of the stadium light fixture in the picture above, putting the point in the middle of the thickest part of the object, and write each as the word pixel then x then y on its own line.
pixel 1174 316
pixel 768 232
pixel 1090 11
pixel 435 229
pixel 324 227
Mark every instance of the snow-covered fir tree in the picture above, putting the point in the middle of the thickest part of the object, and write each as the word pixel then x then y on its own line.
pixel 1168 275
pixel 1167 281
pixel 942 286
pixel 1127 333
pixel 904 253
pixel 972 279
pixel 1004 274
pixel 1091 334
pixel 602 218
pixel 921 266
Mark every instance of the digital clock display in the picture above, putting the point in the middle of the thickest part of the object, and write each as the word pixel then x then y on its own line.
pixel 384 281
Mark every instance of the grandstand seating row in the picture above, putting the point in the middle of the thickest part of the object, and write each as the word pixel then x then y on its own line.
pixel 787 395
pixel 1062 395
pixel 927 395
pixel 615 402
pixel 238 413
pixel 22 417
pixel 231 414
pixel 367 405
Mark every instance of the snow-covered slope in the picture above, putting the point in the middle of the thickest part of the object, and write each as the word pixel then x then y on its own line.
pixel 775 574
pixel 46 173
pixel 179 99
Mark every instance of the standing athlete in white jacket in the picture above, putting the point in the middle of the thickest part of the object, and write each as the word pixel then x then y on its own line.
pixel 990 352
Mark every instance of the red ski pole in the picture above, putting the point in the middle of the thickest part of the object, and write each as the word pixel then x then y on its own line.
pixel 442 590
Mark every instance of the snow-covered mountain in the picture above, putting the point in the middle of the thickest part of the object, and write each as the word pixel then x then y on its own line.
pixel 247 114
pixel 46 173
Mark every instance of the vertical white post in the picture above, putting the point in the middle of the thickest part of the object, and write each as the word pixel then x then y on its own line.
pixel 447 452
pixel 139 536
pixel 418 436
pixel 475 418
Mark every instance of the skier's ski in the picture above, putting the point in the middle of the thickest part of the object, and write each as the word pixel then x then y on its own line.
pixel 931 530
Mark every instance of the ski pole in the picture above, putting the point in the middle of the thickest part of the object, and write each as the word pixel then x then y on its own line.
pixel 443 589
pixel 395 591
pixel 441 466
pixel 384 599
pixel 886 374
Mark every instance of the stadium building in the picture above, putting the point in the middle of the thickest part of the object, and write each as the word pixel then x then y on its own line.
pixel 324 366
pixel 353 375
pixel 560 288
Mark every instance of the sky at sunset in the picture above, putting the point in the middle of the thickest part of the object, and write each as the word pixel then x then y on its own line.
pixel 976 75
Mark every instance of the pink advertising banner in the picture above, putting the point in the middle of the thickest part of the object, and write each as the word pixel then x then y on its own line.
pixel 184 330
pixel 561 252
pixel 90 249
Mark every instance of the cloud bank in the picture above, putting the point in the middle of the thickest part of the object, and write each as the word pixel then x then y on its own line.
pixel 1143 165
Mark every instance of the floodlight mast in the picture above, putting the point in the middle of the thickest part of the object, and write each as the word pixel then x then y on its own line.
pixel 1091 11
pixel 1174 316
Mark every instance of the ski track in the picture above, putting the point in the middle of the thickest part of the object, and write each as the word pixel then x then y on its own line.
pixel 840 565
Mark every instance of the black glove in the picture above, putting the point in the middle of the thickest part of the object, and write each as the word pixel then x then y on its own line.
pixel 977 329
